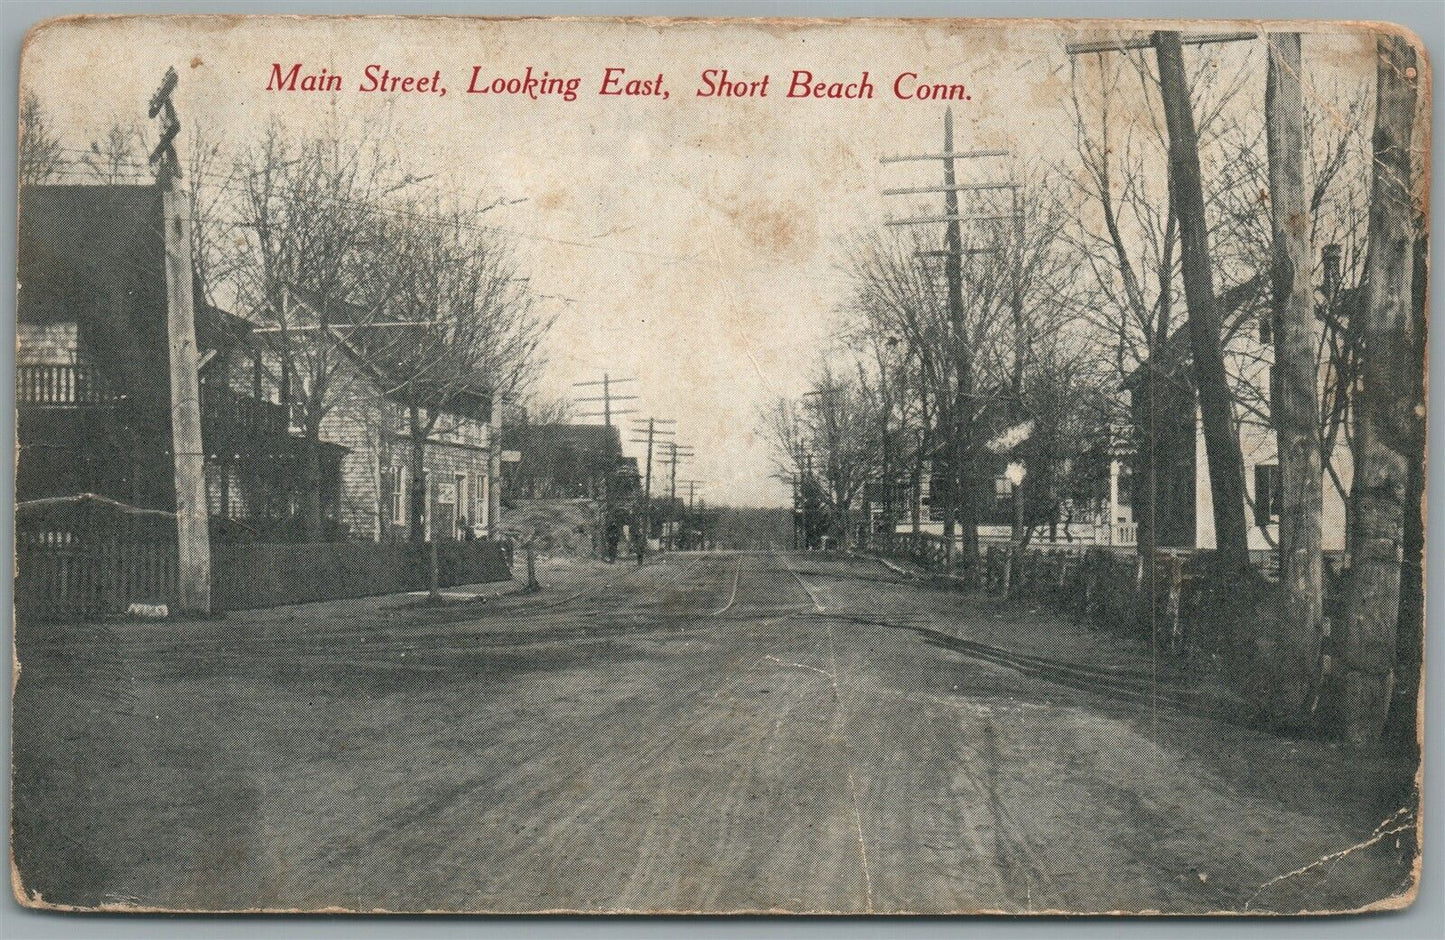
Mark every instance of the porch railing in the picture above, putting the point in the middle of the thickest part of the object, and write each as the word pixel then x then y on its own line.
pixel 60 385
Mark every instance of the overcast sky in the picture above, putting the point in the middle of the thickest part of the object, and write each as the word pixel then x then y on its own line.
pixel 691 243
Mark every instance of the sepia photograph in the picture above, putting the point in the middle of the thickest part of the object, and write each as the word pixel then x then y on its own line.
pixel 719 466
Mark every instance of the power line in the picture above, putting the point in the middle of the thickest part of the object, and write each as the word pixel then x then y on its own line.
pixel 230 182
pixel 607 398
pixel 233 182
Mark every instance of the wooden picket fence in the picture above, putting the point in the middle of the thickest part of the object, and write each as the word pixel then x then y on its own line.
pixel 76 558
pixel 922 548
pixel 1108 588
pixel 86 557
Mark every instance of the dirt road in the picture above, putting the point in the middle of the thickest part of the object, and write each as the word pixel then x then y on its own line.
pixel 708 733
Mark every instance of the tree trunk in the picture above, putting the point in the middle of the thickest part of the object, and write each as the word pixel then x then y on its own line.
pixel 1410 634
pixel 434 589
pixel 417 504
pixel 311 482
pixel 915 487
pixel 1016 390
pixel 1290 656
pixel 967 504
pixel 953 273
pixel 1221 442
pixel 1384 408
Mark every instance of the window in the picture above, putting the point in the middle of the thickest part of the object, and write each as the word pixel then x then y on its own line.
pixel 397 479
pixel 1268 493
pixel 463 516
pixel 1002 488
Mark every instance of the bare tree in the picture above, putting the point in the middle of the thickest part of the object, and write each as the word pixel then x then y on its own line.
pixel 828 440
pixel 897 297
pixel 118 156
pixel 1019 280
pixel 1336 151
pixel 1383 414
pixel 1065 418
pixel 1129 216
pixel 311 264
pixel 40 154
pixel 471 335
pixel 207 187
pixel 1291 652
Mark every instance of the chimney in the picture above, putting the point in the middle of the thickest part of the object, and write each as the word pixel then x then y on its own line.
pixel 1331 259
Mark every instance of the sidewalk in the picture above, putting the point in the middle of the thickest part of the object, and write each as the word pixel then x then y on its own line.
pixel 559 576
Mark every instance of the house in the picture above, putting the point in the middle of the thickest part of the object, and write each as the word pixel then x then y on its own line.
pixel 373 404
pixel 94 408
pixel 566 461
pixel 1168 425
pixel 1071 522
pixel 377 485
pixel 92 388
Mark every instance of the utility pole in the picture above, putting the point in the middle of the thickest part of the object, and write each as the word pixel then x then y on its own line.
pixel 494 471
pixel 653 431
pixel 691 497
pixel 959 504
pixel 606 414
pixel 1294 400
pixel 1221 440
pixel 677 453
pixel 606 398
pixel 193 536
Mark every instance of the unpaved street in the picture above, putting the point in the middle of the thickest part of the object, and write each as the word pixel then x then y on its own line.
pixel 716 732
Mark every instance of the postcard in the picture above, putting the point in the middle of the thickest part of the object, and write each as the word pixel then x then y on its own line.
pixel 614 465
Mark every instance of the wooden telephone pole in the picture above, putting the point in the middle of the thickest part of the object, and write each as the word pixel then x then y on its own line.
pixel 691 499
pixel 959 503
pixel 606 414
pixel 676 453
pixel 1294 400
pixel 1221 440
pixel 606 398
pixel 1289 653
pixel 193 536
pixel 653 431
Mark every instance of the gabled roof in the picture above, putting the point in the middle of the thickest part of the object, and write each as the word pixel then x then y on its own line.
pixel 80 246
pixel 591 439
pixel 1177 351
pixel 471 400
